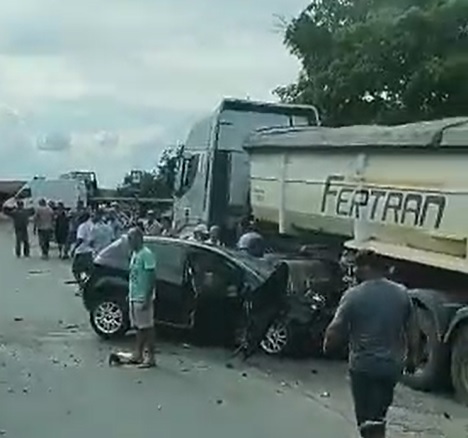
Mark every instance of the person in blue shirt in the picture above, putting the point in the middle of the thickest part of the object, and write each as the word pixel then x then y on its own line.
pixel 141 298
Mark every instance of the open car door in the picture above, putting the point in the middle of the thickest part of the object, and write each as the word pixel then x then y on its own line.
pixel 264 303
pixel 175 294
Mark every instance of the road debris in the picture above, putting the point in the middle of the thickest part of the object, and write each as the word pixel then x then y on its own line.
pixel 37 271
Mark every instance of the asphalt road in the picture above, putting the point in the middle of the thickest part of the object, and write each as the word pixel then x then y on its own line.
pixel 55 380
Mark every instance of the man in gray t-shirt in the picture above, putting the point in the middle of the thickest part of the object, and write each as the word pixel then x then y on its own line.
pixel 377 318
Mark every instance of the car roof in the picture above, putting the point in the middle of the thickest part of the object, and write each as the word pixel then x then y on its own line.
pixel 262 268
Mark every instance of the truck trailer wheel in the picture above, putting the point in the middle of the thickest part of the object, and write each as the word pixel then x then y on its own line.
pixel 431 373
pixel 459 367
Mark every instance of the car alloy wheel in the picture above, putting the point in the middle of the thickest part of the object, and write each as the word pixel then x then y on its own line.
pixel 276 339
pixel 108 317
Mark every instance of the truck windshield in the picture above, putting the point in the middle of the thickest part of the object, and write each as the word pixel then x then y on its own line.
pixel 187 172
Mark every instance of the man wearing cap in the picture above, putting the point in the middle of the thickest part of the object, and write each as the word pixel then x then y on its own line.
pixel 200 233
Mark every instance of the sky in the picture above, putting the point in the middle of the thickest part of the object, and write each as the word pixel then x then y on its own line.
pixel 105 85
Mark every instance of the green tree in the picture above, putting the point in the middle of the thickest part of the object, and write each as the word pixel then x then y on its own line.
pixel 380 61
pixel 168 167
pixel 159 183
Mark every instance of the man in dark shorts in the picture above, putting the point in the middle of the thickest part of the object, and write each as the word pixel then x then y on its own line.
pixel 377 318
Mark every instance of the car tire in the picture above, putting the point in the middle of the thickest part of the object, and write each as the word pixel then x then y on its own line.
pixel 109 317
pixel 459 364
pixel 432 375
pixel 277 340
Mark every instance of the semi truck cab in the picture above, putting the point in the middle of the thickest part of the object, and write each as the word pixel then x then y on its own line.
pixel 213 178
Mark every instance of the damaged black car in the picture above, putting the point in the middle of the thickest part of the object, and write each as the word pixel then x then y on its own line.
pixel 212 292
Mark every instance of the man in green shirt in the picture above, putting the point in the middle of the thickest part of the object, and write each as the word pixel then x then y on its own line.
pixel 141 298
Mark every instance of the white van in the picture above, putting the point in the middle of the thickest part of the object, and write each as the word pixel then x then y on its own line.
pixel 67 191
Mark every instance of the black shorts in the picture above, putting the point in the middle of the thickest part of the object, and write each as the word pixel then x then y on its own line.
pixel 372 396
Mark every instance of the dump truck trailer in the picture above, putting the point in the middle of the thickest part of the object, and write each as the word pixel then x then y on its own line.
pixel 400 191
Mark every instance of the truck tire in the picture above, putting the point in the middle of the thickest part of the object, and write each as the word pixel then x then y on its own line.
pixel 431 373
pixel 459 364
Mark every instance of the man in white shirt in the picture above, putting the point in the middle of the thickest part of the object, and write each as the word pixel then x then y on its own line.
pixel 152 225
pixel 83 250
pixel 102 234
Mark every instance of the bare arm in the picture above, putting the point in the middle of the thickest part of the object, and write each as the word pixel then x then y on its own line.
pixel 150 282
pixel 35 221
pixel 338 330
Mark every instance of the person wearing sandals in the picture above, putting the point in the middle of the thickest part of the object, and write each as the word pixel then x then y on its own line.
pixel 141 298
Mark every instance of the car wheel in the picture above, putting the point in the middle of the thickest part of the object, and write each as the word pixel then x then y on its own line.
pixel 277 338
pixel 109 317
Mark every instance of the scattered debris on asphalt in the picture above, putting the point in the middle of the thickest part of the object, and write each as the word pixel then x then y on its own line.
pixel 37 271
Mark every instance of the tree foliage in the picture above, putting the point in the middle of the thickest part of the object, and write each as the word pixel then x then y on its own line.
pixel 159 183
pixel 381 61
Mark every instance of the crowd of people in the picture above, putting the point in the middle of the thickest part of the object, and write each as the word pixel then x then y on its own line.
pixel 80 233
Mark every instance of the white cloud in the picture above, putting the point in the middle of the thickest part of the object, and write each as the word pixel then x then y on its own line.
pixel 54 142
pixel 108 84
